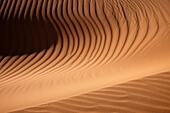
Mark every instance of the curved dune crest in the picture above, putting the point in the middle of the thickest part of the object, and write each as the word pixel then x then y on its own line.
pixel 56 49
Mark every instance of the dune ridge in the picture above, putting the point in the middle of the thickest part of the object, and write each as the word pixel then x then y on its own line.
pixel 56 49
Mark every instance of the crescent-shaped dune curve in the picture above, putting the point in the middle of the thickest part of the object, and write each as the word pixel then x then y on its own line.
pixel 52 50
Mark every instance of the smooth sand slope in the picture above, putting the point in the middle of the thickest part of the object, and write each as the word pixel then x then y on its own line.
pixel 56 49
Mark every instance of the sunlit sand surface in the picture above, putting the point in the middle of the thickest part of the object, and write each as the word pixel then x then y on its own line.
pixel 146 95
pixel 94 56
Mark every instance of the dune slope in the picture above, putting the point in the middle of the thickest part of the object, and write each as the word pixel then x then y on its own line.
pixel 56 49
pixel 146 95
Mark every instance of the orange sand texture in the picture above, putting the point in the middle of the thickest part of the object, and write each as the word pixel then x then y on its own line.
pixel 85 56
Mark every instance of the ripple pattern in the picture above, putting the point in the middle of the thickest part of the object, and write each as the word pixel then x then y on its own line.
pixel 53 43
pixel 42 37
pixel 146 95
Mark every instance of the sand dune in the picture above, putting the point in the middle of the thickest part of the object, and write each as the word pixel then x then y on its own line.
pixel 146 95
pixel 56 49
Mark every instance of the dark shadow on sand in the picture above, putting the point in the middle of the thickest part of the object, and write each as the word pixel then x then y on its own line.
pixel 19 36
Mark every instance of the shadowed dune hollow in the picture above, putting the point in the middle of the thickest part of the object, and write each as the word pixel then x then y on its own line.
pixel 85 56
pixel 21 35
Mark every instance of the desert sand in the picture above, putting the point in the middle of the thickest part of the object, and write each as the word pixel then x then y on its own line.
pixel 93 56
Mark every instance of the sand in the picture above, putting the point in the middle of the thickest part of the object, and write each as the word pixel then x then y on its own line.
pixel 146 95
pixel 85 56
